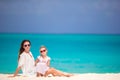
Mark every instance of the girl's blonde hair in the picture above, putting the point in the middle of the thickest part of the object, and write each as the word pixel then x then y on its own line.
pixel 43 47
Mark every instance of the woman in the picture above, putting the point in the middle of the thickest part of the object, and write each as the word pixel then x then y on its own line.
pixel 25 60
pixel 43 65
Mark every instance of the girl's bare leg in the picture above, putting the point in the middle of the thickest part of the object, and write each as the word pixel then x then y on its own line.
pixel 39 74
pixel 55 72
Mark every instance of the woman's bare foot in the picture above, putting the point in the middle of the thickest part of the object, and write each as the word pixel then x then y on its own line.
pixel 68 75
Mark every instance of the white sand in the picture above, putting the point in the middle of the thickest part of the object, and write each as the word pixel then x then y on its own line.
pixel 87 76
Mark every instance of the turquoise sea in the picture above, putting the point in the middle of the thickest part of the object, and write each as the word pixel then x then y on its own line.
pixel 74 53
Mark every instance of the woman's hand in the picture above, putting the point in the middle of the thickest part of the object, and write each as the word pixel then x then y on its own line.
pixel 16 72
pixel 11 76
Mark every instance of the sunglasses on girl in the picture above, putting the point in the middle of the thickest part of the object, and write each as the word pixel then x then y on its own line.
pixel 42 51
pixel 27 45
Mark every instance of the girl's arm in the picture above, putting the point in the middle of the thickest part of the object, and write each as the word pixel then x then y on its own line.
pixel 37 60
pixel 48 63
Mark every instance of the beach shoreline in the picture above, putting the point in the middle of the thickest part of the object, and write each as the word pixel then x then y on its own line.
pixel 84 76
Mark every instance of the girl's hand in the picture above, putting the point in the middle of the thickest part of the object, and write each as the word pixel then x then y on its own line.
pixel 37 60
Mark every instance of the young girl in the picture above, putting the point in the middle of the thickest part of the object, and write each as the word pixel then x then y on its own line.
pixel 43 65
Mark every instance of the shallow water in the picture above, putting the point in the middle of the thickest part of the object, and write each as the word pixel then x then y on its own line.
pixel 74 53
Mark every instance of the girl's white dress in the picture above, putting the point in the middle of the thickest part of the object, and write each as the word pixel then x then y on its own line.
pixel 27 63
pixel 42 66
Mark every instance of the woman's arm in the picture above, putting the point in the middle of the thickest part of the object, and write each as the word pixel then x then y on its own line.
pixel 48 63
pixel 21 62
pixel 16 72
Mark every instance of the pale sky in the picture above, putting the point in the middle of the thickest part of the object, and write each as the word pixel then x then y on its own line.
pixel 60 16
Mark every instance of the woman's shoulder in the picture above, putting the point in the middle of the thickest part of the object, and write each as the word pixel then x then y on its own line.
pixel 39 57
pixel 24 54
pixel 30 53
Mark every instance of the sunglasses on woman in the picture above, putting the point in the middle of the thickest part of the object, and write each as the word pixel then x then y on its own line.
pixel 27 45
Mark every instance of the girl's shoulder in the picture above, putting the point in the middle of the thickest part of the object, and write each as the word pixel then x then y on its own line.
pixel 48 58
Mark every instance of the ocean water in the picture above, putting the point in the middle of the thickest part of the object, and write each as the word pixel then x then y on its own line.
pixel 73 53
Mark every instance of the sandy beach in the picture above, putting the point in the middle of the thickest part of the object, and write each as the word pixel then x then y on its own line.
pixel 86 76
